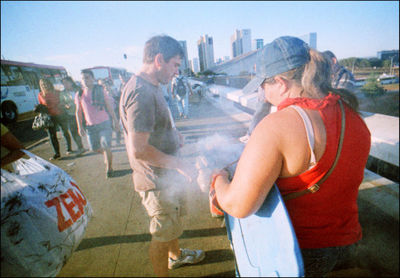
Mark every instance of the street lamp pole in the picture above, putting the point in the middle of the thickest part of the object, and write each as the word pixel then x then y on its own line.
pixel 391 64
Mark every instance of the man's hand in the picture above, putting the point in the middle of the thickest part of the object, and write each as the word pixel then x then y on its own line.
pixel 81 131
pixel 187 169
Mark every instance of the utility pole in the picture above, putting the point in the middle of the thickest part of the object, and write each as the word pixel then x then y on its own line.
pixel 391 64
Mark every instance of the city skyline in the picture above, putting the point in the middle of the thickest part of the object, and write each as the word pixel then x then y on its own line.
pixel 86 34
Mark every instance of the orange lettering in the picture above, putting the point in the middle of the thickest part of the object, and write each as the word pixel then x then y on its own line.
pixel 70 207
pixel 62 224
pixel 77 199
pixel 82 197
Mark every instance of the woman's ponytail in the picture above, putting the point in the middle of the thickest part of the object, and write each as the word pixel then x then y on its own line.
pixel 317 80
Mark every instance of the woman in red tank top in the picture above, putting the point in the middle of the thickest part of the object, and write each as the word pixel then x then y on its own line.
pixel 50 98
pixel 326 222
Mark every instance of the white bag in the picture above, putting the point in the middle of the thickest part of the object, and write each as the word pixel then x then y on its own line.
pixel 44 216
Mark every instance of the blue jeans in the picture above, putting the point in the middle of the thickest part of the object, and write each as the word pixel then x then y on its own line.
pixel 99 136
pixel 183 104
pixel 62 121
pixel 319 262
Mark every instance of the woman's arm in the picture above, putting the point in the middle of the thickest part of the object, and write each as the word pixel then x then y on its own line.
pixel 258 168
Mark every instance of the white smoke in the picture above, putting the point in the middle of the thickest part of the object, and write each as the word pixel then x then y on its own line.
pixel 215 153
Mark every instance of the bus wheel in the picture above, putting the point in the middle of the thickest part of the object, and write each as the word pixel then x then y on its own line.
pixel 9 112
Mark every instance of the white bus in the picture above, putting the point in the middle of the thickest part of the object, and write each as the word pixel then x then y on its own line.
pixel 111 73
pixel 20 87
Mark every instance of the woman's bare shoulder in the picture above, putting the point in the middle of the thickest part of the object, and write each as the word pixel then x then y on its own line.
pixel 280 121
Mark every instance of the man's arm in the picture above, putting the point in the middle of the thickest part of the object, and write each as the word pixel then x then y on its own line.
pixel 110 110
pixel 139 148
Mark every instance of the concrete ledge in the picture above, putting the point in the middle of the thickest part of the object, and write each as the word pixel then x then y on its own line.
pixel 250 100
pixel 384 136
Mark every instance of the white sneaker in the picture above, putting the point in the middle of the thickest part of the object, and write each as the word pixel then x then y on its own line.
pixel 244 139
pixel 187 257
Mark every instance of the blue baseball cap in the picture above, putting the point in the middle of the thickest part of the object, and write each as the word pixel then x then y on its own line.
pixel 281 55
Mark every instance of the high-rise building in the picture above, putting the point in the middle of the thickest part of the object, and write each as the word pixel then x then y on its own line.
pixel 310 39
pixel 206 52
pixel 185 62
pixel 241 42
pixel 195 65
pixel 257 44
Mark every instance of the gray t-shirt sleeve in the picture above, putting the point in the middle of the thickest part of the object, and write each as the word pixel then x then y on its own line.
pixel 141 112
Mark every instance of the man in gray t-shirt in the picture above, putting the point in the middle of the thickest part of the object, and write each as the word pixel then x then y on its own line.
pixel 144 110
pixel 151 142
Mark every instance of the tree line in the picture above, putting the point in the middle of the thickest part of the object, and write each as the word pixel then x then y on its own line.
pixel 362 63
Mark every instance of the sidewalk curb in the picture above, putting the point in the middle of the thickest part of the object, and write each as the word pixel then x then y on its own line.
pixel 41 141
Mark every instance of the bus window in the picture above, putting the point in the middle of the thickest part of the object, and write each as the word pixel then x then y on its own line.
pixel 4 76
pixel 115 73
pixel 15 76
pixel 36 72
pixel 100 73
pixel 45 73
pixel 30 77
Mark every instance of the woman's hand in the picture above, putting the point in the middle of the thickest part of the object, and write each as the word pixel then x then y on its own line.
pixel 216 173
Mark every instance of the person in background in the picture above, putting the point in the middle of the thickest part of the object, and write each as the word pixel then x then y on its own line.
pixel 10 149
pixel 342 78
pixel 123 82
pixel 115 96
pixel 50 98
pixel 295 147
pixel 263 109
pixel 180 91
pixel 67 102
pixel 166 89
pixel 152 142
pixel 94 106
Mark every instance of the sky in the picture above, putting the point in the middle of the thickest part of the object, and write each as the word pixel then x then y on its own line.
pixel 80 34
